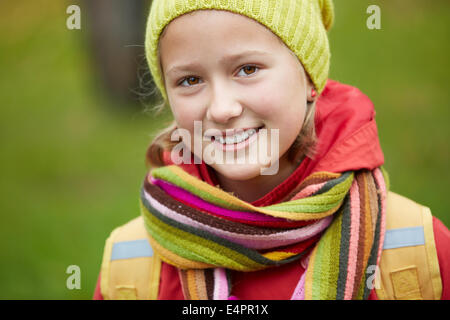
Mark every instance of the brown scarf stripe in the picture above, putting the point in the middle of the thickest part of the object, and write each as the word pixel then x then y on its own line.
pixel 370 228
pixel 376 236
pixel 292 224
pixel 199 216
pixel 200 283
pixel 184 283
pixel 362 222
pixel 209 282
pixel 373 252
pixel 373 201
pixel 193 283
pixel 210 220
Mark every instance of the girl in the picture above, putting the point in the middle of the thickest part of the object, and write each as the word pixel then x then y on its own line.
pixel 314 219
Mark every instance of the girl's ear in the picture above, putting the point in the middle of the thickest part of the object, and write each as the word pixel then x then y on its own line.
pixel 311 91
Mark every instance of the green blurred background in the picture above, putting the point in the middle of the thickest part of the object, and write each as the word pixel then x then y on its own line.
pixel 73 140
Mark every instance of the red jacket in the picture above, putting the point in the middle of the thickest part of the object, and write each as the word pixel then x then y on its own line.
pixel 347 140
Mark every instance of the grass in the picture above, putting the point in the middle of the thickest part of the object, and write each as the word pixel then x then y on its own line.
pixel 73 161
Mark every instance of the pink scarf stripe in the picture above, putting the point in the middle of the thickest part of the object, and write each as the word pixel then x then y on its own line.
pixel 220 284
pixel 355 212
pixel 249 241
pixel 299 292
pixel 179 193
pixel 309 190
pixel 379 178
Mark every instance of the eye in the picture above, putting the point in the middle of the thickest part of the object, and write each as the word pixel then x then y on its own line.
pixel 190 81
pixel 248 70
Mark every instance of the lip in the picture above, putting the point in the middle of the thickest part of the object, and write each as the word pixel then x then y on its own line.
pixel 232 132
pixel 240 145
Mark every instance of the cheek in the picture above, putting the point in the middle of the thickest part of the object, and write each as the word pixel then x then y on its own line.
pixel 264 100
pixel 280 103
pixel 188 115
pixel 185 113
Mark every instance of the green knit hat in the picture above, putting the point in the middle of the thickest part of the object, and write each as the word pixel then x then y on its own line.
pixel 301 24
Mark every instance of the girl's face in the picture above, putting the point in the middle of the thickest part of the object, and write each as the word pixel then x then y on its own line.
pixel 230 72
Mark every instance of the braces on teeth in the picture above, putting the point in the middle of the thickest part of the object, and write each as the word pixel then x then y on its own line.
pixel 237 138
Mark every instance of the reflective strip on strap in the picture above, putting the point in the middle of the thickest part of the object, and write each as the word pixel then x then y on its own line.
pixel 131 249
pixel 404 237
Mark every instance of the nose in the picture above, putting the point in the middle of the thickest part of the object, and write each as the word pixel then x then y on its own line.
pixel 223 105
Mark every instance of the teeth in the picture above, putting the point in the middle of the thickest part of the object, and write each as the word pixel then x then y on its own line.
pixel 237 138
pixel 229 140
pixel 251 131
pixel 242 137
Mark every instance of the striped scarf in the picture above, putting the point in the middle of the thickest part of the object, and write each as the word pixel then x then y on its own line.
pixel 334 221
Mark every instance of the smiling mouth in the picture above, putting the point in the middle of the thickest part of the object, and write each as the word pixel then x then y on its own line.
pixel 241 135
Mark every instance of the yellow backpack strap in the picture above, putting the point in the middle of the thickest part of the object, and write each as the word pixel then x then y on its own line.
pixel 130 269
pixel 409 266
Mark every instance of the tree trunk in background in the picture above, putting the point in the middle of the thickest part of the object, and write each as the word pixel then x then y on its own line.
pixel 116 30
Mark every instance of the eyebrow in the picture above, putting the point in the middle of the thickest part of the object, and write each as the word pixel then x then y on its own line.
pixel 225 59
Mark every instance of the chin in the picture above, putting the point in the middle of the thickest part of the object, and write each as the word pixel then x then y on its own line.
pixel 239 172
